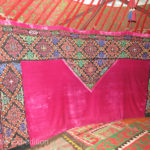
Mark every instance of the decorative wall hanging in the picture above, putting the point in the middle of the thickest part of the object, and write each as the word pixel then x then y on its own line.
pixel 54 78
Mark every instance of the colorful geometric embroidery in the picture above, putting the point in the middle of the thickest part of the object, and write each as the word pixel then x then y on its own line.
pixel 43 44
pixel 90 71
pixel 13 118
pixel 12 46
pixel 88 55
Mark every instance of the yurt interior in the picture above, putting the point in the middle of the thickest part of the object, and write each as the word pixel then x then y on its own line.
pixel 74 74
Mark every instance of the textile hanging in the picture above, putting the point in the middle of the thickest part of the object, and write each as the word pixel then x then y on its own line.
pixel 53 79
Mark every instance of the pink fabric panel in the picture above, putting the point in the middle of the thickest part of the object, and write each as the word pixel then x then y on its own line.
pixel 56 100
pixel 44 27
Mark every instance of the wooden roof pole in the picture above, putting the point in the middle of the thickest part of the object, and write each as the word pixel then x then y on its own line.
pixel 145 19
pixel 125 12
pixel 138 22
pixel 75 13
pixel 49 14
pixel 96 9
pixel 138 7
pixel 13 6
pixel 77 16
pixel 99 6
pixel 33 10
pixel 91 18
pixel 56 22
pixel 23 10
pixel 107 15
pixel 144 11
pixel 114 19
pixel 45 9
pixel 66 20
pixel 84 14
pixel 100 14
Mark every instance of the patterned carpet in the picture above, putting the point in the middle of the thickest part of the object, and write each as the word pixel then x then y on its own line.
pixel 129 134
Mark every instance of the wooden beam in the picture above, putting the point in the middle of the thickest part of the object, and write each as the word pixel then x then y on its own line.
pixel 123 17
pixel 23 10
pixel 86 11
pixel 76 12
pixel 52 10
pixel 60 16
pixel 106 18
pixel 68 15
pixel 145 20
pixel 77 16
pixel 33 10
pixel 93 15
pixel 138 8
pixel 43 12
pixel 114 19
pixel 12 8
pixel 138 22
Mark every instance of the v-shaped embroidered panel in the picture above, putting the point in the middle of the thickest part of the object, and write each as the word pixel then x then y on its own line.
pixel 56 100
pixel 90 71
pixel 88 55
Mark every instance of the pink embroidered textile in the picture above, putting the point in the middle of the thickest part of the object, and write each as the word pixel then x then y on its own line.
pixel 56 100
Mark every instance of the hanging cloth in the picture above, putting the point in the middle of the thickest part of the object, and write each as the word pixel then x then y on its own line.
pixel 132 14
